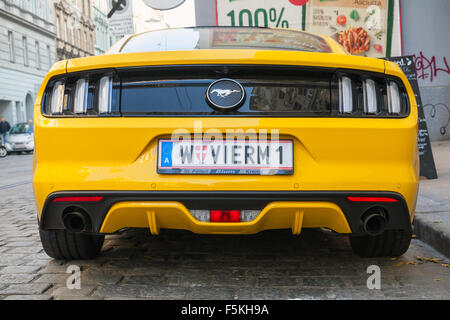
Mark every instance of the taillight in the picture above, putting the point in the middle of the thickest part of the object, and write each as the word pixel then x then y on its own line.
pixel 370 95
pixel 393 98
pixel 105 95
pixel 225 215
pixel 56 103
pixel 80 96
pixel 345 95
pixel 90 94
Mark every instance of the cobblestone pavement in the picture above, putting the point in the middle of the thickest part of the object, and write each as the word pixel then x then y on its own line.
pixel 181 265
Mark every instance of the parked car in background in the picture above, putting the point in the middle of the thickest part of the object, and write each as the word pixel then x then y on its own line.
pixel 3 151
pixel 20 138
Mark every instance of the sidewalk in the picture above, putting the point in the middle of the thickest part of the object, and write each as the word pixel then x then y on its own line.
pixel 432 219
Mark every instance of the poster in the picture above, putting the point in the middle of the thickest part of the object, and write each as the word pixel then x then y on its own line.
pixel 260 13
pixel 361 27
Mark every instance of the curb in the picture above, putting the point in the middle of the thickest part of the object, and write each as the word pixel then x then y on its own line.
pixel 431 234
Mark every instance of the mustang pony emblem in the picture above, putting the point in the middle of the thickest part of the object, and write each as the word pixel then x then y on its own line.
pixel 224 93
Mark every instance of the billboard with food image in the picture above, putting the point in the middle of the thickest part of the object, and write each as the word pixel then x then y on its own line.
pixel 361 27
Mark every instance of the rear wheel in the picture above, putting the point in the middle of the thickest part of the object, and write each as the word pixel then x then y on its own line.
pixel 3 152
pixel 65 245
pixel 391 243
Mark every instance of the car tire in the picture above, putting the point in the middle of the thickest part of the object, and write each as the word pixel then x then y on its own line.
pixel 65 245
pixel 3 152
pixel 391 243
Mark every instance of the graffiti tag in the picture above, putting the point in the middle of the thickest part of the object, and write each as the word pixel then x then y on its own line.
pixel 427 68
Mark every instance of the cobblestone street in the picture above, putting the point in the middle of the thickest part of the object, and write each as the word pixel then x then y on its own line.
pixel 181 265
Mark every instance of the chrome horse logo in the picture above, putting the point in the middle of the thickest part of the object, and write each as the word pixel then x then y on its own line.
pixel 224 93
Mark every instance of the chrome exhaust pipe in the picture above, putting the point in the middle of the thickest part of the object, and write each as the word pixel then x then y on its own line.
pixel 76 221
pixel 374 221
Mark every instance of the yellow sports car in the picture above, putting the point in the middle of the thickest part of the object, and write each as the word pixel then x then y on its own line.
pixel 223 130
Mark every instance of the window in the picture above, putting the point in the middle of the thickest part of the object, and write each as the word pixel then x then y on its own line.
pixel 11 46
pixel 38 56
pixel 80 44
pixel 25 50
pixel 49 56
pixel 66 31
pixel 34 6
pixel 58 26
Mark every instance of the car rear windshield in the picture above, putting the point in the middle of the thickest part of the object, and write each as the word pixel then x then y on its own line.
pixel 224 38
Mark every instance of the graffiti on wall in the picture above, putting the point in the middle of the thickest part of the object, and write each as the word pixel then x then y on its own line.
pixel 429 68
pixel 434 108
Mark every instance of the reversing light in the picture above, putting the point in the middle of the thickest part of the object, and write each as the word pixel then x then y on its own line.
pixel 57 98
pixel 81 96
pixel 393 98
pixel 370 96
pixel 345 95
pixel 225 215
pixel 105 95
pixel 78 199
pixel 372 199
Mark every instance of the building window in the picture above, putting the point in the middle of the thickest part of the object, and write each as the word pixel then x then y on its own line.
pixel 58 26
pixel 49 55
pixel 11 46
pixel 38 56
pixel 66 31
pixel 86 41
pixel 34 7
pixel 25 50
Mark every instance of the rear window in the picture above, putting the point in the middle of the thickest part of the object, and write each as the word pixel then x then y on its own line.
pixel 224 38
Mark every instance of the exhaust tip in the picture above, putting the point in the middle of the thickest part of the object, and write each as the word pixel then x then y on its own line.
pixel 76 221
pixel 374 221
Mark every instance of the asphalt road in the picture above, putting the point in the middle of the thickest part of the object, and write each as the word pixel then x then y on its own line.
pixel 182 265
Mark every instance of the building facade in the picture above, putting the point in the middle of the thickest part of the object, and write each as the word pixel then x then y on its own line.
pixel 75 29
pixel 27 51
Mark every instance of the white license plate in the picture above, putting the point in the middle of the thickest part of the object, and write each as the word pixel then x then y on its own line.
pixel 271 157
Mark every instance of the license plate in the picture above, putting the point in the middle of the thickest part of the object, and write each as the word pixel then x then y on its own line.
pixel 272 157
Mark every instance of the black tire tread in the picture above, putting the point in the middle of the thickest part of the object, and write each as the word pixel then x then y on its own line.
pixel 65 245
pixel 391 243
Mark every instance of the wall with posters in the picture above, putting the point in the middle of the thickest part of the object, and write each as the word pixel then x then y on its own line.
pixel 373 23
pixel 425 36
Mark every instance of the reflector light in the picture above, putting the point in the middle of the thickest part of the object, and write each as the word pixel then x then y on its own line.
pixel 78 199
pixel 225 215
pixel 345 95
pixel 371 199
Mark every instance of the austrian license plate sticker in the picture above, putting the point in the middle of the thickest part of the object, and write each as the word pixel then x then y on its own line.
pixel 253 157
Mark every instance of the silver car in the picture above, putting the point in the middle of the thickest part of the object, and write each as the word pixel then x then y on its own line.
pixel 20 138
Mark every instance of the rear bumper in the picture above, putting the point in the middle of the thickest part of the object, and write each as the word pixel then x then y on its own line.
pixel 279 210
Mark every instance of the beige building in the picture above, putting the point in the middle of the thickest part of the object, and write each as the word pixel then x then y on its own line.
pixel 75 29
